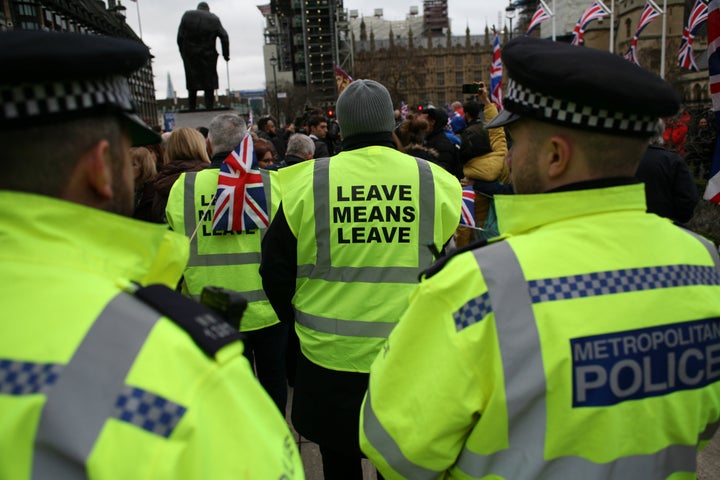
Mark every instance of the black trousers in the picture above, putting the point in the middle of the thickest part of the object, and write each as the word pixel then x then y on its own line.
pixel 209 99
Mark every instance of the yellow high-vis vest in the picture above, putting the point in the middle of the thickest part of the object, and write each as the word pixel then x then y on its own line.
pixel 585 345
pixel 222 259
pixel 95 383
pixel 363 220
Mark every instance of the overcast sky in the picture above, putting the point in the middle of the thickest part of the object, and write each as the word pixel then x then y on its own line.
pixel 159 21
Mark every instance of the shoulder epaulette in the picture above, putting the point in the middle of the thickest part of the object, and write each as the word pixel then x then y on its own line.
pixel 442 261
pixel 208 329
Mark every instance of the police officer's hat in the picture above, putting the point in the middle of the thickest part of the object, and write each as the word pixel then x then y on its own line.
pixel 47 78
pixel 582 88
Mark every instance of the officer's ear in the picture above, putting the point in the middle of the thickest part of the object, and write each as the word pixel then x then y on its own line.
pixel 91 181
pixel 558 154
pixel 100 170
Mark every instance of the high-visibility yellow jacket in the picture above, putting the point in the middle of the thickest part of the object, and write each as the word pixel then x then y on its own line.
pixel 363 221
pixel 586 345
pixel 96 384
pixel 229 260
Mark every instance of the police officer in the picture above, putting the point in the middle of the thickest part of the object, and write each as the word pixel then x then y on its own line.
pixel 340 257
pixel 586 342
pixel 229 259
pixel 102 376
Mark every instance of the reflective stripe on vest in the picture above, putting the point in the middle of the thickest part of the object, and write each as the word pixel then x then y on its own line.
pixel 324 270
pixel 207 259
pixel 267 189
pixel 522 361
pixel 91 389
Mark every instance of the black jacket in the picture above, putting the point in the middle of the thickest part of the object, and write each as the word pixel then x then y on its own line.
pixel 447 152
pixel 669 187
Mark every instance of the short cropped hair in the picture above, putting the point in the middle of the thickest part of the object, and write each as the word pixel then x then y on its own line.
pixel 300 145
pixel 226 131
pixel 41 159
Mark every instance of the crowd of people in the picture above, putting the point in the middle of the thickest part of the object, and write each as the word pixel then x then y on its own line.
pixel 580 341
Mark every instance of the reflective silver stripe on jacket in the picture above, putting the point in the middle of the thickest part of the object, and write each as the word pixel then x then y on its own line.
pixel 524 375
pixel 207 259
pixel 390 450
pixel 710 246
pixel 345 328
pixel 87 392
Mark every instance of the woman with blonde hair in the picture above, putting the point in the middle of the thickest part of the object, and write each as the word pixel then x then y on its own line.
pixel 186 151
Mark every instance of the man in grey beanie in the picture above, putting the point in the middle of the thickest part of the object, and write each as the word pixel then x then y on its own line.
pixel 340 258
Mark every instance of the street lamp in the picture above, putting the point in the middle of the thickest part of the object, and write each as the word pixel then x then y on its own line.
pixel 273 62
pixel 510 14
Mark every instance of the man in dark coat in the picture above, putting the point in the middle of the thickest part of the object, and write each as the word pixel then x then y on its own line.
pixel 197 35
pixel 670 189
pixel 436 138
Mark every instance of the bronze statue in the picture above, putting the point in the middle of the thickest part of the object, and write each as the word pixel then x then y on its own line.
pixel 197 36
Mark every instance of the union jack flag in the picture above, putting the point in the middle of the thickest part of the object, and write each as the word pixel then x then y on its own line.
pixel 240 199
pixel 467 214
pixel 712 191
pixel 496 73
pixel 698 15
pixel 631 54
pixel 540 15
pixel 649 14
pixel 594 12
pixel 403 110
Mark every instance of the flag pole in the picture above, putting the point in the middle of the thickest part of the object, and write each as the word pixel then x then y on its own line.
pixel 227 68
pixel 551 11
pixel 203 217
pixel 612 26
pixel 137 6
pixel 612 23
pixel 662 40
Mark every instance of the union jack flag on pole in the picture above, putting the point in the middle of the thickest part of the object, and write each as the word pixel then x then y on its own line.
pixel 698 15
pixel 496 73
pixel 240 204
pixel 540 15
pixel 594 12
pixel 649 13
pixel 467 214
pixel 712 191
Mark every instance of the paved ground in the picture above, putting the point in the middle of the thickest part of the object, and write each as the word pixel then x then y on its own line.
pixel 709 461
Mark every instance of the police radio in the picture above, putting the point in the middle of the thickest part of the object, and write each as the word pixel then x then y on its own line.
pixel 229 304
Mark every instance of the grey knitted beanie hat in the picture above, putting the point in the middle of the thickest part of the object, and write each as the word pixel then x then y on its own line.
pixel 365 106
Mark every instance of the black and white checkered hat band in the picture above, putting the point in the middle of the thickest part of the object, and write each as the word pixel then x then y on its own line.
pixel 46 100
pixel 523 101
